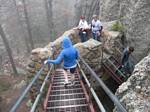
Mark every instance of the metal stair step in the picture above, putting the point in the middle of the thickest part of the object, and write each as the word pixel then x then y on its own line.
pixel 69 108
pixel 80 93
pixel 63 80
pixel 62 77
pixel 67 96
pixel 68 87
pixel 62 83
pixel 79 90
pixel 77 101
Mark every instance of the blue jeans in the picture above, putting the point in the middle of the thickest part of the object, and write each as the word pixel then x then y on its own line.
pixel 128 67
pixel 95 36
pixel 83 36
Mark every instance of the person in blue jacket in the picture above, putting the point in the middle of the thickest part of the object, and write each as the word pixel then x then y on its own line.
pixel 68 55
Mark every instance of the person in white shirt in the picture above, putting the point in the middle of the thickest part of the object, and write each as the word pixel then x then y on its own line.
pixel 96 27
pixel 83 27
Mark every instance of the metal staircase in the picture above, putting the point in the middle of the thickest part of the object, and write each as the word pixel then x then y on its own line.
pixel 67 99
pixel 71 98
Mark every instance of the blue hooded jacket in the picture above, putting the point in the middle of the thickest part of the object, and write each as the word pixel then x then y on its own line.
pixel 69 54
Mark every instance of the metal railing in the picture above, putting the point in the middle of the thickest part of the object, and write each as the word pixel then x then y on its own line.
pixel 41 90
pixel 105 88
pixel 20 99
pixel 116 68
pixel 17 104
pixel 101 107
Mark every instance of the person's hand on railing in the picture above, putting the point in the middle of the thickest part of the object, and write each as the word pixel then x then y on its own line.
pixel 45 62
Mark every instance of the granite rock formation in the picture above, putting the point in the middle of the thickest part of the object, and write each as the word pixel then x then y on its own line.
pixel 134 15
pixel 135 92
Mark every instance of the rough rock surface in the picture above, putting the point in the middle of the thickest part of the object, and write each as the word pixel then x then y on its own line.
pixel 91 52
pixel 109 9
pixel 135 16
pixel 135 92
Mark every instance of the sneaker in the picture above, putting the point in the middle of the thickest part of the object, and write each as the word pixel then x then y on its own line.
pixel 72 83
pixel 66 84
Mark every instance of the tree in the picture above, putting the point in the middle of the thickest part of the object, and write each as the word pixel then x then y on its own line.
pixel 49 14
pixel 3 36
pixel 21 23
pixel 28 24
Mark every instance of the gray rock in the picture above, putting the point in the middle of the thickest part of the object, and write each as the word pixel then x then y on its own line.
pixel 136 95
pixel 135 16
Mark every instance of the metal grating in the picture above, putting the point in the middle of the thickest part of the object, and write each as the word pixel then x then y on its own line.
pixel 111 69
pixel 67 99
pixel 74 108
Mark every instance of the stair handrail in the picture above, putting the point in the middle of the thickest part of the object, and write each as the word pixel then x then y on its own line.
pixel 105 88
pixel 101 107
pixel 24 93
pixel 116 68
pixel 41 90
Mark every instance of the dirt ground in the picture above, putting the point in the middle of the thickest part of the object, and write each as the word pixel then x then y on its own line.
pixel 9 94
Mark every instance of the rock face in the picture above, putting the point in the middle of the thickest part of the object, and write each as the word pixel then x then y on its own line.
pixel 134 14
pixel 91 52
pixel 135 93
pixel 109 9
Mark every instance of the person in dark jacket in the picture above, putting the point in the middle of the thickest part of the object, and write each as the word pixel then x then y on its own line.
pixel 126 63
pixel 68 55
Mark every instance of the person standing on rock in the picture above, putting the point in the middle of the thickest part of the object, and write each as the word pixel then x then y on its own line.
pixel 83 29
pixel 96 27
pixel 125 61
pixel 68 55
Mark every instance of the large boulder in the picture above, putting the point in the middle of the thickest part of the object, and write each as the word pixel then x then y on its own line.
pixel 135 92
pixel 91 52
pixel 109 10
